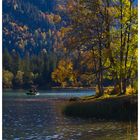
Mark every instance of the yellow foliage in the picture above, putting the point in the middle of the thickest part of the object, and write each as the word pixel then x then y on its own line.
pixel 64 73
pixel 52 18
pixel 7 78
pixel 60 7
pixel 108 90
pixel 56 18
pixel 25 27
pixel 65 30
pixel 130 90
pixel 13 23
pixel 111 90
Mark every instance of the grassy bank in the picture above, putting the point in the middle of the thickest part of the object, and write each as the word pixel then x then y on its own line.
pixel 112 108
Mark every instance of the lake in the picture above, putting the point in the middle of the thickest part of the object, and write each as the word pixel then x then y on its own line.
pixel 40 118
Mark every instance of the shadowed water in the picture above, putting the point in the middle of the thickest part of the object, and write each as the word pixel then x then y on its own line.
pixel 40 118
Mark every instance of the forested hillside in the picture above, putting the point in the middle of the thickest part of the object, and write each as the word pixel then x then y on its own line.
pixel 31 41
pixel 30 26
pixel 70 43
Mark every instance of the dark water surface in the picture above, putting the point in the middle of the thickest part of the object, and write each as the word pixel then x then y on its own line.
pixel 40 118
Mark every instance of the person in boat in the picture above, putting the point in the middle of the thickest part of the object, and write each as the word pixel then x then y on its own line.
pixel 33 90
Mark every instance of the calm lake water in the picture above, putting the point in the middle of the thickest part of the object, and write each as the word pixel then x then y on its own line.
pixel 40 118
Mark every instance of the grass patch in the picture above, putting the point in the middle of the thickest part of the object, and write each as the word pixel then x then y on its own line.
pixel 115 107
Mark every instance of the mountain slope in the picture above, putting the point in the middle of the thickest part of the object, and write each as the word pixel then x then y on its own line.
pixel 31 25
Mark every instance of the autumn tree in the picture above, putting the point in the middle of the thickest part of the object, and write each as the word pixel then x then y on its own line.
pixel 64 73
pixel 19 79
pixel 7 79
pixel 108 29
pixel 86 36
pixel 124 41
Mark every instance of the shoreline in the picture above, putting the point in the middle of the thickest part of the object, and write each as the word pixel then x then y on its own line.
pixel 77 88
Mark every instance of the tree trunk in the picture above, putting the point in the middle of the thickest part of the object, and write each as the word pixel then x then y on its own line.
pixel 127 51
pixel 121 52
pixel 101 91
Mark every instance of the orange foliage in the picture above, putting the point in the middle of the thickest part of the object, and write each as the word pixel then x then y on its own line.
pixel 64 73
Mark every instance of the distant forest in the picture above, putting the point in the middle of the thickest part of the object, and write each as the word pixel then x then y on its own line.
pixel 70 43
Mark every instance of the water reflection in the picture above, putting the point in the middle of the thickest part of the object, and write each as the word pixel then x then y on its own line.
pixel 41 119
